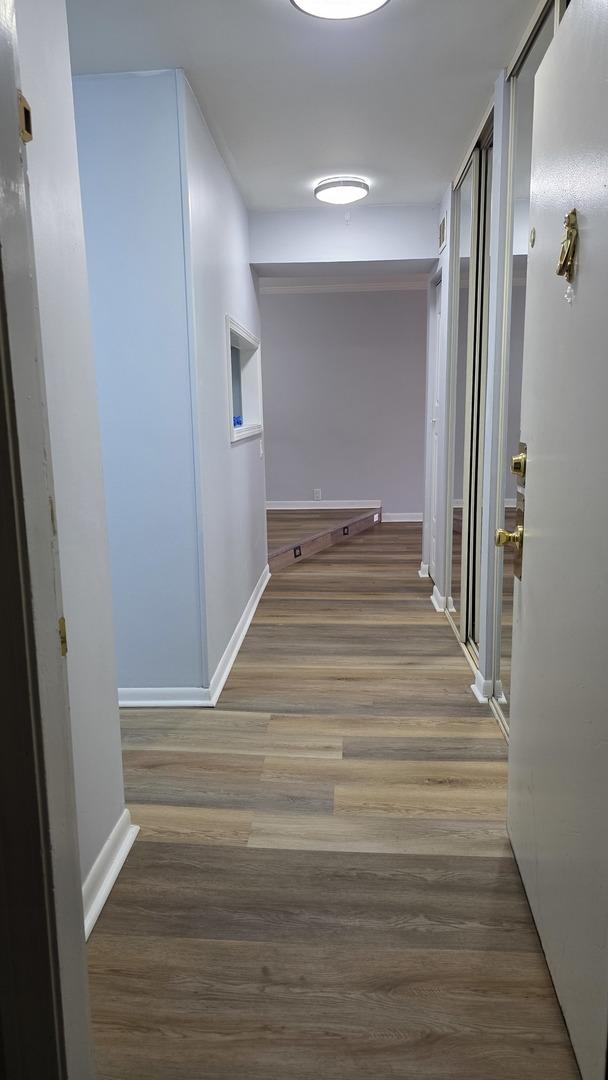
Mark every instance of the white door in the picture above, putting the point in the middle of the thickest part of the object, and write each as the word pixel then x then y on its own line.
pixel 558 785
pixel 436 394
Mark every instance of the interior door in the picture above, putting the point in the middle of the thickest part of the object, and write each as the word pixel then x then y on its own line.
pixel 435 434
pixel 558 785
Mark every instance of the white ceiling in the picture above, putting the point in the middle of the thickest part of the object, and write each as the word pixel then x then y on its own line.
pixel 393 97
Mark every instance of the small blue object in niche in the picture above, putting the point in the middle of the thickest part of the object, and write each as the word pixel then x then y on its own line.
pixel 237 421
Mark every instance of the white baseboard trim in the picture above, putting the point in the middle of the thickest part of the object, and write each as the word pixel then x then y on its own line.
pixel 199 697
pixel 163 697
pixel 424 570
pixel 482 688
pixel 106 868
pixel 509 503
pixel 402 517
pixel 499 693
pixel 500 717
pixel 325 504
pixel 224 667
pixel 437 600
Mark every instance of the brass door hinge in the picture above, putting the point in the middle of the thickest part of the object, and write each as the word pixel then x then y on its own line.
pixel 25 118
pixel 63 636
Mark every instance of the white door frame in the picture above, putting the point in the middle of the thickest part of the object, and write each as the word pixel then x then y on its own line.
pixel 443 273
pixel 473 166
pixel 428 566
pixel 27 493
pixel 487 685
pixel 495 432
pixel 486 667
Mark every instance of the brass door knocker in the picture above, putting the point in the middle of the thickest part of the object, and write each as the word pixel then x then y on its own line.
pixel 567 256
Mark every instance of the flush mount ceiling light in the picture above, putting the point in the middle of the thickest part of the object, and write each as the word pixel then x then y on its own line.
pixel 339 9
pixel 341 190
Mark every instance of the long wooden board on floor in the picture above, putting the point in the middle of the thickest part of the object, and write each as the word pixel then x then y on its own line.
pixel 312 532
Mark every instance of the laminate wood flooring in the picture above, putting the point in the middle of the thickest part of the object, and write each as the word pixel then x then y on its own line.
pixel 323 887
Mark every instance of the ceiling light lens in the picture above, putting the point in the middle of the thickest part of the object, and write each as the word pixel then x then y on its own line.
pixel 341 190
pixel 339 9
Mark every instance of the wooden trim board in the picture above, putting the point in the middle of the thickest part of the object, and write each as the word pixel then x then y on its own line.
pixel 312 544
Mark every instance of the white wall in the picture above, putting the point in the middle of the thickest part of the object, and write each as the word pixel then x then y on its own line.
pixel 232 474
pixel 344 396
pixel 167 243
pixel 321 234
pixel 72 408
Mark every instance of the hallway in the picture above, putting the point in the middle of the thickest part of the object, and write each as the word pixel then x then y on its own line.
pixel 323 887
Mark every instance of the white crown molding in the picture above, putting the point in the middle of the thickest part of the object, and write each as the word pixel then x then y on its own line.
pixel 290 286
pixel 199 697
pixel 106 868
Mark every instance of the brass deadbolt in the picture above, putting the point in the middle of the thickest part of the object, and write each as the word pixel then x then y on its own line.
pixel 505 538
pixel 518 464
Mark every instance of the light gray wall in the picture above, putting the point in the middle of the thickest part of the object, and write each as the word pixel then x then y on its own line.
pixel 344 396
pixel 69 373
pixel 323 234
pixel 167 244
pixel 232 474
pixel 129 151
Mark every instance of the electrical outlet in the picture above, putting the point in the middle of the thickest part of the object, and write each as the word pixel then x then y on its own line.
pixel 317 494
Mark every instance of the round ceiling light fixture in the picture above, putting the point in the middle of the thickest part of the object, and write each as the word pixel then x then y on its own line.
pixel 339 9
pixel 341 190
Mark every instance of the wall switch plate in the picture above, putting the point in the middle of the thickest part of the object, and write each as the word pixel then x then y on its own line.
pixel 346 531
pixel 317 494
pixel 297 552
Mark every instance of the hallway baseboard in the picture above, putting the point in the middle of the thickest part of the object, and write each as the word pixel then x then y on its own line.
pixel 224 667
pixel 163 697
pixel 106 868
pixel 412 517
pixel 482 688
pixel 437 600
pixel 325 504
pixel 198 697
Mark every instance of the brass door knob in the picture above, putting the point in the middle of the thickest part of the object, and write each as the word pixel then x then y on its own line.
pixel 504 537
pixel 518 464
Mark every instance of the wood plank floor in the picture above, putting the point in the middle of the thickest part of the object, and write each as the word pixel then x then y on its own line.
pixel 323 887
